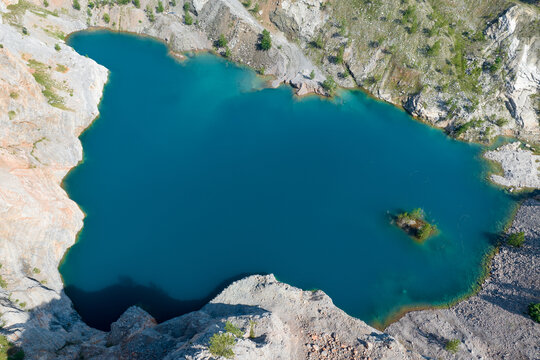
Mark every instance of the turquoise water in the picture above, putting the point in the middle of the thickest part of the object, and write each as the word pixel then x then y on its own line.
pixel 194 176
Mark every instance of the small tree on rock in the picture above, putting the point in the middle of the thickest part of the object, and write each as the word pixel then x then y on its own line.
pixel 266 40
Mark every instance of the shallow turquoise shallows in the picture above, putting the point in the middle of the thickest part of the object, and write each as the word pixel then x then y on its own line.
pixel 194 176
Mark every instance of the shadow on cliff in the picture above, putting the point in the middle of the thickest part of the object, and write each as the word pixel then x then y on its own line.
pixel 53 330
pixel 100 308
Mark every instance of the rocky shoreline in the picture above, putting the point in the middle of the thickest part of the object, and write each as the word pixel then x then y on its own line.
pixel 49 95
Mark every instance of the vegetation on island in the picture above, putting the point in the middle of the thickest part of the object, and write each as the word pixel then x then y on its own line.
pixel 452 346
pixel 221 344
pixel 534 311
pixel 516 239
pixel 415 224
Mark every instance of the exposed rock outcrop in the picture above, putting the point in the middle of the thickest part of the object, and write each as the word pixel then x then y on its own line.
pixel 520 166
pixel 276 321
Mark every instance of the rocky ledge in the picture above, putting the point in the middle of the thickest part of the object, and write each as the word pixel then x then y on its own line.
pixel 275 321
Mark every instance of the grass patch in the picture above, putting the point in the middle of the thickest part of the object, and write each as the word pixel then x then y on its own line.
pixel 55 33
pixel 61 68
pixel 8 351
pixel 42 77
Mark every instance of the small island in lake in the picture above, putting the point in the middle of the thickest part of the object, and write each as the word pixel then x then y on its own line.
pixel 415 224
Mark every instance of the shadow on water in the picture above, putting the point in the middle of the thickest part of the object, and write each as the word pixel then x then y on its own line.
pixel 100 308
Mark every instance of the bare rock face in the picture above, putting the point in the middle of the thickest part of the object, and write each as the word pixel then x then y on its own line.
pixel 47 98
pixel 274 321
pixel 520 166
pixel 511 32
pixel 299 18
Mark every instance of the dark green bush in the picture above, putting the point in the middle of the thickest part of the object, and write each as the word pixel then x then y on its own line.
pixel 188 19
pixel 329 85
pixel 534 311
pixel 222 41
pixel 266 40
pixel 516 239
pixel 76 5
pixel 452 346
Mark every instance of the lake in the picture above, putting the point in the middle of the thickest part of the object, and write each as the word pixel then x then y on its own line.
pixel 195 175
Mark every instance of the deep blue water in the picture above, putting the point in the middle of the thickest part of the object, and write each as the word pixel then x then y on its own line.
pixel 194 176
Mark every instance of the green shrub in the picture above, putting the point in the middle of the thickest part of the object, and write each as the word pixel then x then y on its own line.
pixel 159 8
pixel 57 47
pixel 496 65
pixel 318 42
pixel 501 122
pixel 14 95
pixel 106 18
pixel 424 232
pixel 329 85
pixel 188 19
pixel 339 56
pixel 186 6
pixel 222 41
pixel 312 74
pixel 3 283
pixel 221 345
pixel 11 114
pixel 516 239
pixel 137 3
pixel 452 346
pixel 534 311
pixel 266 40
pixel 247 3
pixel 150 13
pixel 76 5
pixel 227 52
pixel 45 3
pixel 230 328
